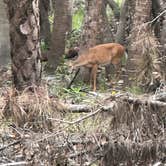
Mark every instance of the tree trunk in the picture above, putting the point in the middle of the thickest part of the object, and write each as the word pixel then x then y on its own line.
pixel 45 32
pixel 95 23
pixel 62 24
pixel 156 9
pixel 4 36
pixel 143 50
pixel 25 49
pixel 120 35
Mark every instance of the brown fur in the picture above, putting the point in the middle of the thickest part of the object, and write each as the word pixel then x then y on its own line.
pixel 98 55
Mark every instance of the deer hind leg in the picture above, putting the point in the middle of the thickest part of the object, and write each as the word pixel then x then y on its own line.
pixel 93 76
pixel 118 71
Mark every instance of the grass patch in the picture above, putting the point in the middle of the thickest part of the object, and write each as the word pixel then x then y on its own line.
pixel 135 90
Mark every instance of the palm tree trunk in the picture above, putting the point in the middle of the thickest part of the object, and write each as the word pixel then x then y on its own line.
pixel 142 59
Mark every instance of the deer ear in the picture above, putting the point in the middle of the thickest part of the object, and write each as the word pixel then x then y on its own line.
pixel 77 49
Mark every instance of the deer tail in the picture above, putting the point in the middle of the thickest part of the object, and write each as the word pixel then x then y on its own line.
pixel 126 55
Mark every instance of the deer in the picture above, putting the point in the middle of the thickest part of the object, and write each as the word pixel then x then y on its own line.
pixel 102 54
pixel 72 53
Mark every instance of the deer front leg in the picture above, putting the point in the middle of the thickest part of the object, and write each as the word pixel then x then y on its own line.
pixel 93 76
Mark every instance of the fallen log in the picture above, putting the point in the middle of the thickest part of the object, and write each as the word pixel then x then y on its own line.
pixel 112 104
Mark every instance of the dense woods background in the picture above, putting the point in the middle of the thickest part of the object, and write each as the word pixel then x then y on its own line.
pixel 42 122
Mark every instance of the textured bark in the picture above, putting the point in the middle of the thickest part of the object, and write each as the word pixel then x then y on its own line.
pixel 95 23
pixel 130 18
pixel 142 14
pixel 25 49
pixel 138 34
pixel 156 9
pixel 45 33
pixel 120 35
pixel 62 24
pixel 163 29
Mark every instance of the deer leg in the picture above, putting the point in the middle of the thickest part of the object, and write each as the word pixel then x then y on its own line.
pixel 91 77
pixel 118 71
pixel 94 75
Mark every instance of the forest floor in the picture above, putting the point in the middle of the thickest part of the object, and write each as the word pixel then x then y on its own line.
pixel 89 128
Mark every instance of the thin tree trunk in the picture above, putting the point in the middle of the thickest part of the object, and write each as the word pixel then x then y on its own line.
pixel 62 24
pixel 45 32
pixel 4 36
pixel 25 49
pixel 121 15
pixel 156 9
pixel 120 35
pixel 114 6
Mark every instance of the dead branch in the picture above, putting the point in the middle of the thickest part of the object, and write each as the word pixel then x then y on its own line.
pixel 144 101
pixel 114 6
pixel 150 22
pixel 11 144
pixel 15 163
pixel 74 108
pixel 78 120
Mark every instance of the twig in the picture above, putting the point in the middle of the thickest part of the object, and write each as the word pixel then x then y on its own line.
pixel 11 144
pixel 157 17
pixel 98 144
pixel 15 163
pixel 87 116
pixel 149 22
pixel 78 120
pixel 71 82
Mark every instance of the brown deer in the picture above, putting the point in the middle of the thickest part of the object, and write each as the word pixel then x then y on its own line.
pixel 99 55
